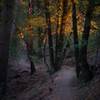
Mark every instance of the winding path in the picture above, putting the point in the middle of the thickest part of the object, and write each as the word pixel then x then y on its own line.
pixel 65 85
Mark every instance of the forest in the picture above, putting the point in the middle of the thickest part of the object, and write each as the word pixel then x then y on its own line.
pixel 49 50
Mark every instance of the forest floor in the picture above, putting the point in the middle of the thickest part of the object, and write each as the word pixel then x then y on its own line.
pixel 41 86
pixel 63 85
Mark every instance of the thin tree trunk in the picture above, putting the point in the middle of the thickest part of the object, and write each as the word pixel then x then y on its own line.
pixel 44 49
pixel 29 43
pixel 40 30
pixel 75 36
pixel 57 33
pixel 61 34
pixel 50 40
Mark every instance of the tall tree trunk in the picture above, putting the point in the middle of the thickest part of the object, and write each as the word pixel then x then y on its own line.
pixel 57 33
pixel 61 34
pixel 75 36
pixel 5 30
pixel 29 43
pixel 56 40
pixel 85 37
pixel 50 40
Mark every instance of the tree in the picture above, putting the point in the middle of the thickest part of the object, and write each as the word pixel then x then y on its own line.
pixel 5 30
pixel 87 74
pixel 40 32
pixel 50 40
pixel 29 43
pixel 60 37
pixel 75 37
pixel 57 32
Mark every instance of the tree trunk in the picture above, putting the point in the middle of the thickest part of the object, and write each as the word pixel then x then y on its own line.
pixel 29 43
pixel 61 35
pixel 75 36
pixel 50 40
pixel 5 30
pixel 85 37
pixel 40 31
pixel 57 34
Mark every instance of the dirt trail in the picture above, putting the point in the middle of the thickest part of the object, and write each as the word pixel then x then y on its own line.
pixel 65 85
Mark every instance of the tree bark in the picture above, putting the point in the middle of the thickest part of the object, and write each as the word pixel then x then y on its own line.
pixel 85 37
pixel 57 33
pixel 50 40
pixel 75 37
pixel 60 41
pixel 5 30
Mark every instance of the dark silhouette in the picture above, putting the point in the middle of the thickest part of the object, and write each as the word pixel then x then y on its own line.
pixel 6 15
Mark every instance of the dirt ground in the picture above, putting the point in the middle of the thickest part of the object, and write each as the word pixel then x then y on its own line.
pixel 42 86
